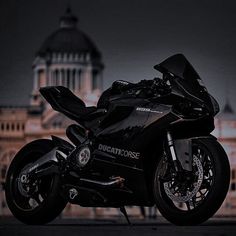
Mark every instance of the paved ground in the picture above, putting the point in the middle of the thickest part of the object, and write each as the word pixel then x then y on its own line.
pixel 103 227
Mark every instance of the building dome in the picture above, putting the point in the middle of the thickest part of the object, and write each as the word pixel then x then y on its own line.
pixel 69 39
pixel 68 58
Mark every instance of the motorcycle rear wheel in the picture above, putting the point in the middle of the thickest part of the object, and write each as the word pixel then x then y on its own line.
pixel 41 202
pixel 170 195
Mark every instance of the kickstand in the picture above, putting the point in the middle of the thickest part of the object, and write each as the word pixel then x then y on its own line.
pixel 124 212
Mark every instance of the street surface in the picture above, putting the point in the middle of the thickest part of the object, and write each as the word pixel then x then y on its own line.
pixel 117 227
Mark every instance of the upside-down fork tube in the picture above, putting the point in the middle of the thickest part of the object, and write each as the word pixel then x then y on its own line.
pixel 172 150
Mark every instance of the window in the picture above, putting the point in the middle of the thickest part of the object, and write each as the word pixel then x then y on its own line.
pixel 233 174
pixel 57 124
pixel 232 187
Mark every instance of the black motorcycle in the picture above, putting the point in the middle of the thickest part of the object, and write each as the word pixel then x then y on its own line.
pixel 144 144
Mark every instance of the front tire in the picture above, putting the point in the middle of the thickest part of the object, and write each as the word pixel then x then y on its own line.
pixel 170 195
pixel 41 204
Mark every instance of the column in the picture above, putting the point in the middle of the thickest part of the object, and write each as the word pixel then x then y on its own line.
pixel 66 78
pixel 35 86
pixel 78 80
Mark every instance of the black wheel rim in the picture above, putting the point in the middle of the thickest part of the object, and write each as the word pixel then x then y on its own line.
pixel 36 197
pixel 182 188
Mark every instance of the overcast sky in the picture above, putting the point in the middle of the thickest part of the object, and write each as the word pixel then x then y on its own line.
pixel 133 36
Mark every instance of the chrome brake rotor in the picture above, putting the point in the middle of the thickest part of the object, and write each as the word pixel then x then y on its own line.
pixel 178 196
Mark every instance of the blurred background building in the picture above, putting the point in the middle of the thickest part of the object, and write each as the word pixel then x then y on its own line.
pixel 68 57
pixel 225 131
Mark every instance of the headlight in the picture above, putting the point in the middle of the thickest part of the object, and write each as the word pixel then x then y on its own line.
pixel 189 110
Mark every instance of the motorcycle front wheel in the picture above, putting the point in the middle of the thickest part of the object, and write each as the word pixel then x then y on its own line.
pixel 33 201
pixel 192 197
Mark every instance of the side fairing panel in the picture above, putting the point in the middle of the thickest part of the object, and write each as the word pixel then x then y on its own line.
pixel 132 125
pixel 121 144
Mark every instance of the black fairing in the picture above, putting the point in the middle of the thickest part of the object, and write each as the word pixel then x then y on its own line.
pixel 187 80
pixel 129 138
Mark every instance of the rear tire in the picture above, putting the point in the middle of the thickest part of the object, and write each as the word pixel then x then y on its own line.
pixel 46 203
pixel 213 198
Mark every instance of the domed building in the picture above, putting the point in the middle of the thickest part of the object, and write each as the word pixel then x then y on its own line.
pixel 67 57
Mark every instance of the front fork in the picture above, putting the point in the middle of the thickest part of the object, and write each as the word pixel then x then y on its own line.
pixel 172 152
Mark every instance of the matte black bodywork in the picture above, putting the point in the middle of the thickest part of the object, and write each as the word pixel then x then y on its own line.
pixel 127 132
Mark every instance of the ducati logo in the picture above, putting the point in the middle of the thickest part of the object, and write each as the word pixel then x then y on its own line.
pixel 118 151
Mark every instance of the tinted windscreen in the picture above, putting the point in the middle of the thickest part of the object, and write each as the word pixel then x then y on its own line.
pixel 179 66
